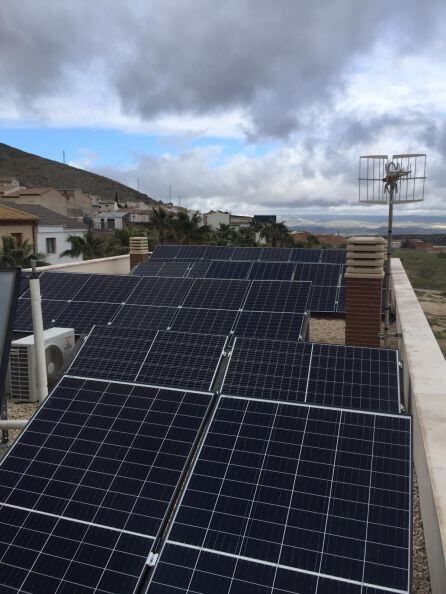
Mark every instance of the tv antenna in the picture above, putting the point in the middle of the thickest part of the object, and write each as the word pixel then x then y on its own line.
pixel 398 181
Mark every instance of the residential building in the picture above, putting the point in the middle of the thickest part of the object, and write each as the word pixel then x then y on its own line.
pixel 215 218
pixel 8 184
pixel 53 231
pixel 21 225
pixel 109 221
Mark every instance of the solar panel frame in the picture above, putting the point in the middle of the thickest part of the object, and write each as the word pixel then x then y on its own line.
pixel 223 269
pixel 275 295
pixel 166 291
pixel 272 271
pixel 83 315
pixel 210 293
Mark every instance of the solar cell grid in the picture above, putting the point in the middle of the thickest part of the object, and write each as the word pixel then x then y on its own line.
pixel 147 268
pixel 40 553
pixel 334 256
pixel 24 284
pixel 61 285
pixel 272 271
pixel 303 489
pixel 305 255
pixel 276 254
pixel 82 315
pixel 318 274
pixel 282 296
pixel 247 253
pixel 169 292
pixel 144 317
pixel 205 321
pixel 217 252
pixel 107 288
pixel 165 251
pixel 217 294
pixel 229 270
pixel 192 251
pixel 174 269
pixel 23 319
pixel 198 269
pixel 323 298
pixel 274 325
pixel 103 453
pixel 183 360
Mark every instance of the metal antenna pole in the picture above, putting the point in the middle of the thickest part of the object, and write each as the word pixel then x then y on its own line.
pixel 387 279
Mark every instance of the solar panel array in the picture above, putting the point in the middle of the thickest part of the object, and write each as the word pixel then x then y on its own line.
pixel 195 445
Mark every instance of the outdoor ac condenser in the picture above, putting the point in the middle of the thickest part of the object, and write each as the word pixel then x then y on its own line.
pixel 59 349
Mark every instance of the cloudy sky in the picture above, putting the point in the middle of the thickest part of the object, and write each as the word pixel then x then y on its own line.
pixel 256 106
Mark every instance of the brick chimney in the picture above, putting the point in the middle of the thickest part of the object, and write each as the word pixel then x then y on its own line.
pixel 139 251
pixel 364 275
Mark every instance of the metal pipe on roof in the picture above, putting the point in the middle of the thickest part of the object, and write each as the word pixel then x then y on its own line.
pixel 39 340
pixel 10 424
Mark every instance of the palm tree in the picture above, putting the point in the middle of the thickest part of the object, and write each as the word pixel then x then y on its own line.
pixel 275 233
pixel 13 254
pixel 246 237
pixel 161 221
pixel 226 235
pixel 188 228
pixel 88 247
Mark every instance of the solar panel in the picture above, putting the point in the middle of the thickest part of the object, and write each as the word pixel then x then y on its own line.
pixel 169 292
pixel 277 296
pixel 198 269
pixel 147 268
pixel 204 321
pixel 323 298
pixel 305 255
pixel 318 274
pixel 272 271
pixel 230 270
pixel 61 285
pixel 107 288
pixel 145 317
pixel 286 498
pixel 247 253
pixel 354 377
pixel 23 318
pixel 113 353
pixel 334 256
pixel 217 294
pixel 43 553
pixel 82 316
pixel 341 300
pixel 274 325
pixel 192 251
pixel 165 251
pixel 174 269
pixel 276 254
pixel 24 283
pixel 177 359
pixel 269 369
pixel 218 252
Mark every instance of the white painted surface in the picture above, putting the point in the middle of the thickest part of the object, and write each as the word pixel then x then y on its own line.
pixel 61 235
pixel 112 265
pixel 214 218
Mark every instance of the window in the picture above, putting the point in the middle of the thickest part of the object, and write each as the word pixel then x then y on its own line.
pixel 110 224
pixel 18 238
pixel 50 245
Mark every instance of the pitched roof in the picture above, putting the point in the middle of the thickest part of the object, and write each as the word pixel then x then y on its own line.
pixel 47 216
pixel 8 214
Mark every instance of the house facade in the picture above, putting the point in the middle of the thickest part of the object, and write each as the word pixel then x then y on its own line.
pixel 20 225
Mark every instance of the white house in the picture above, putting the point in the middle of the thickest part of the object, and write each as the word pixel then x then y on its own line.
pixel 109 221
pixel 52 232
pixel 215 218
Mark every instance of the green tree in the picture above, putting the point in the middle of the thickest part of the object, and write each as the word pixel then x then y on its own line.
pixel 12 254
pixel 161 222
pixel 189 230
pixel 225 235
pixel 312 241
pixel 276 234
pixel 89 246
pixel 246 237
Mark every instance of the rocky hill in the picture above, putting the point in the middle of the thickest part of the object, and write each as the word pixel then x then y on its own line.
pixel 33 171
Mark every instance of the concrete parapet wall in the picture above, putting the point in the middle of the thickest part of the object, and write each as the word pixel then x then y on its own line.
pixel 425 398
pixel 112 265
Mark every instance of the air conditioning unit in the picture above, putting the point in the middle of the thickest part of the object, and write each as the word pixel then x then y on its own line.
pixel 59 349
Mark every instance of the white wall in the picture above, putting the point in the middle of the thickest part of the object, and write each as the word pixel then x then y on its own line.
pixel 61 235
pixel 215 218
pixel 112 265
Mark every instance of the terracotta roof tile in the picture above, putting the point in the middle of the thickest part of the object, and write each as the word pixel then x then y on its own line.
pixel 14 214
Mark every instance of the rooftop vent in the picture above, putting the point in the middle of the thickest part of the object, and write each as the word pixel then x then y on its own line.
pixel 139 251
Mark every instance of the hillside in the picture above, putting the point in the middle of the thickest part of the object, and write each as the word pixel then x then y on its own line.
pixel 32 170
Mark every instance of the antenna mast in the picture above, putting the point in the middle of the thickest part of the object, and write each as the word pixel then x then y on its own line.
pixel 398 181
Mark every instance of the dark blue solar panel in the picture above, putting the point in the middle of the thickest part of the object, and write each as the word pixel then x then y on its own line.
pixel 61 285
pixel 147 268
pixel 82 315
pixel 323 298
pixel 217 294
pixel 44 554
pixel 194 252
pixel 305 255
pixel 274 325
pixel 278 296
pixel 107 288
pixel 247 253
pixel 23 319
pixel 162 252
pixel 268 369
pixel 204 321
pixel 217 252
pixel 354 377
pixel 272 271
pixel 185 360
pixel 145 317
pixel 113 353
pixel 322 496
pixel 318 274
pixel 276 254
pixel 341 300
pixel 229 270
pixel 334 256
pixel 24 284
pixel 174 269
pixel 169 292
pixel 198 269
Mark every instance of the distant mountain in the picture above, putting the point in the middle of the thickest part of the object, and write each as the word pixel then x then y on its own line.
pixel 34 171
